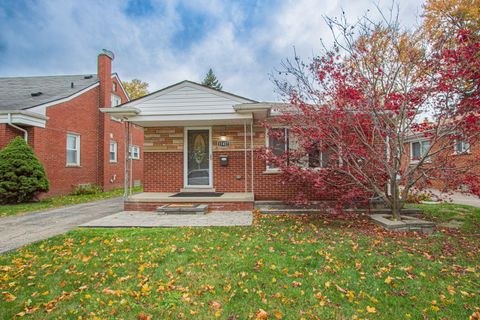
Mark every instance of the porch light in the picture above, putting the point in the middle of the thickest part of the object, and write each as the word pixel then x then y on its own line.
pixel 223 138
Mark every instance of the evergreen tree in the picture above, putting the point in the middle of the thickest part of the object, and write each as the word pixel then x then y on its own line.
pixel 212 81
pixel 22 176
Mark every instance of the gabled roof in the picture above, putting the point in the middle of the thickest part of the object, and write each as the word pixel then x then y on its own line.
pixel 16 92
pixel 191 83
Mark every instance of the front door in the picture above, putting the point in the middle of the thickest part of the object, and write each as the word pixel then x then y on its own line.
pixel 198 152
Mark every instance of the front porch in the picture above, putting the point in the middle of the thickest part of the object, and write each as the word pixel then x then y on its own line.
pixel 228 201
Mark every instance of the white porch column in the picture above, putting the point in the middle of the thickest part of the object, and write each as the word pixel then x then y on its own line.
pixel 126 174
pixel 130 131
pixel 251 153
pixel 245 153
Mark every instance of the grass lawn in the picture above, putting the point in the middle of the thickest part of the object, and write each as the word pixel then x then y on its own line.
pixel 60 201
pixel 280 268
pixel 466 218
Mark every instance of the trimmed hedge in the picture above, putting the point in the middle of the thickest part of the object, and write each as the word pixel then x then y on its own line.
pixel 22 176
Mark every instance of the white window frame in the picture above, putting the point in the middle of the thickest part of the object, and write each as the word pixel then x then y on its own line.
pixel 464 143
pixel 421 151
pixel 267 144
pixel 116 100
pixel 114 86
pixel 113 143
pixel 77 149
pixel 131 152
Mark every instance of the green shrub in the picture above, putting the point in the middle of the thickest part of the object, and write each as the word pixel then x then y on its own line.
pixel 22 176
pixel 86 189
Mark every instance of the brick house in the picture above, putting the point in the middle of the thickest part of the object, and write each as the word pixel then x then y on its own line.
pixel 60 118
pixel 463 153
pixel 202 146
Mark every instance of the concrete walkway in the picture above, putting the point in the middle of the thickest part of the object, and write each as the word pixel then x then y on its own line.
pixel 458 198
pixel 153 219
pixel 17 231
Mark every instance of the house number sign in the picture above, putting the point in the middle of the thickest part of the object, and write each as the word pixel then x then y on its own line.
pixel 223 143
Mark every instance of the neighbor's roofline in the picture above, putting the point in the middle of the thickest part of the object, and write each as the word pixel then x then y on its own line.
pixel 78 93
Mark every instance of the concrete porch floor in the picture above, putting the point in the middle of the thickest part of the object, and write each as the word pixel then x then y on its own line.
pixel 167 197
pixel 142 219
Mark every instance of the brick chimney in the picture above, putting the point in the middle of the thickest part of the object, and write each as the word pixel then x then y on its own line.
pixel 105 77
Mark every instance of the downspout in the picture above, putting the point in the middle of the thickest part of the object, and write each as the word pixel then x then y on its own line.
pixel 25 132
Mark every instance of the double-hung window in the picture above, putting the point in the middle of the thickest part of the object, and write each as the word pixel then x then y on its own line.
pixel 73 149
pixel 419 149
pixel 461 146
pixel 116 100
pixel 113 151
pixel 277 142
pixel 134 152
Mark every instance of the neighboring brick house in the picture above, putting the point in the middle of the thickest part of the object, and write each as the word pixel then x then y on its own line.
pixel 463 153
pixel 204 143
pixel 60 118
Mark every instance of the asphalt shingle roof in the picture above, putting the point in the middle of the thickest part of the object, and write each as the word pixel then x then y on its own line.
pixel 16 92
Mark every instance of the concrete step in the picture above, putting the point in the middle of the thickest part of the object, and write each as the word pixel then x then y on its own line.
pixel 290 210
pixel 183 209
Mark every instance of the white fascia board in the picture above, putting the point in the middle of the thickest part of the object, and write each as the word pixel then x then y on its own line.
pixel 193 117
pixel 121 111
pixel 24 118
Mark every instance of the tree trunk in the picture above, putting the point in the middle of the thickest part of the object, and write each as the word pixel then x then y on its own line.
pixel 396 201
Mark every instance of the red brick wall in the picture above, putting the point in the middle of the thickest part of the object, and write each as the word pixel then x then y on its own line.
pixel 163 171
pixel 7 133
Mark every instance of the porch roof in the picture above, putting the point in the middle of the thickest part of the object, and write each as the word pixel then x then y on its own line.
pixel 189 103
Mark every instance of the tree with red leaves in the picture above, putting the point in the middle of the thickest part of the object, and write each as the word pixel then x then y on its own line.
pixel 354 110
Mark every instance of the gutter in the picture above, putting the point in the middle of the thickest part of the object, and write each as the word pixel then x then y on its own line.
pixel 25 132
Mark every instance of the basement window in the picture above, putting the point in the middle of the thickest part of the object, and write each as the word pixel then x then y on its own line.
pixel 73 149
pixel 113 151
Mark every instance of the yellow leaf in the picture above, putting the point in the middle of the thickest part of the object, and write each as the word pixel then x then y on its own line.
pixel 351 296
pixel 328 284
pixel 388 280
pixel 278 314
pixel 371 309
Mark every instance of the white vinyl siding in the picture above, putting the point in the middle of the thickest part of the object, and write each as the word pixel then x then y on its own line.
pixel 187 99
pixel 116 100
pixel 113 151
pixel 73 150
pixel 135 152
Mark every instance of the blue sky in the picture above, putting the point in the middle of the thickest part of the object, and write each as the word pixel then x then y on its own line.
pixel 163 42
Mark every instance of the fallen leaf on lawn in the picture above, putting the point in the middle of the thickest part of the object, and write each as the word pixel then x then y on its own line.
pixel 371 309
pixel 278 314
pixel 215 305
pixel 388 280
pixel 340 289
pixel 7 296
pixel 144 316
pixel 261 315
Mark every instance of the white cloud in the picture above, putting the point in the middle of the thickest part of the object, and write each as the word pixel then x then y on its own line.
pixel 243 43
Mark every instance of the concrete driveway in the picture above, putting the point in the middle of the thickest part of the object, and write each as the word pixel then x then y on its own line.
pixel 17 231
